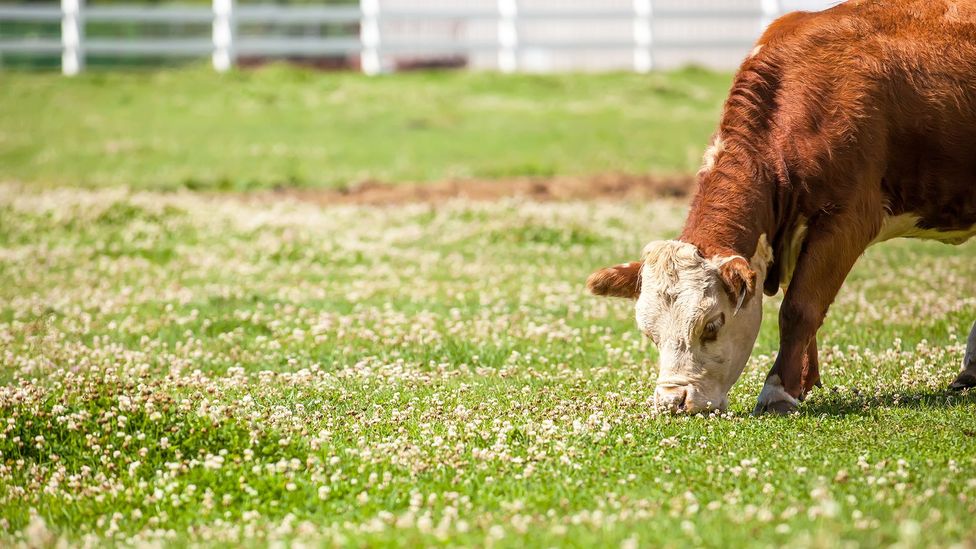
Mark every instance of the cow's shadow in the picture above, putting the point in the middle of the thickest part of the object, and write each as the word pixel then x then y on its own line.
pixel 836 403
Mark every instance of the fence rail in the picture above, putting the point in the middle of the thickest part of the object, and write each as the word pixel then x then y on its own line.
pixel 365 41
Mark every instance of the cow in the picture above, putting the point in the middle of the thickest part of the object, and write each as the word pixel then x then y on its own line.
pixel 843 128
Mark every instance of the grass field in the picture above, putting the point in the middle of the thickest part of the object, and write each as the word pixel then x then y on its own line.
pixel 287 127
pixel 240 369
pixel 218 370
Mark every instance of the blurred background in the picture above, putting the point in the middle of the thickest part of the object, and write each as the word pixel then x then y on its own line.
pixel 340 95
pixel 389 35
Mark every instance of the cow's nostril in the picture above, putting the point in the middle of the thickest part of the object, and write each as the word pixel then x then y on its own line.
pixel 674 399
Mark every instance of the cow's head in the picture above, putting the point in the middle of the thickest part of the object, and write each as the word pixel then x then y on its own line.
pixel 703 314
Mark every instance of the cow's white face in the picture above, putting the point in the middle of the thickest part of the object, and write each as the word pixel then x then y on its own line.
pixel 703 314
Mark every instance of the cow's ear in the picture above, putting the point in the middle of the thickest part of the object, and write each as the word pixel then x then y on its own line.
pixel 739 280
pixel 619 281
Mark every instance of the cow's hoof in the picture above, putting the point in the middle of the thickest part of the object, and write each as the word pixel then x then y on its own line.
pixel 773 399
pixel 964 380
pixel 779 408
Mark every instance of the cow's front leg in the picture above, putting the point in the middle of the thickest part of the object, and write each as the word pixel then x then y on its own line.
pixel 775 398
pixel 967 378
pixel 829 253
pixel 811 368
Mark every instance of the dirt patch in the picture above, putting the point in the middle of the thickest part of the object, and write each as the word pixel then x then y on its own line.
pixel 612 186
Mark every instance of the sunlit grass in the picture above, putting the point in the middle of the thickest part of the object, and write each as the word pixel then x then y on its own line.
pixel 182 368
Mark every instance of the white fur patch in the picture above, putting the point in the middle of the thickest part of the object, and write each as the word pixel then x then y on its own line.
pixel 906 225
pixel 755 51
pixel 711 154
pixel 676 270
pixel 680 292
pixel 773 391
pixel 790 254
pixel 763 256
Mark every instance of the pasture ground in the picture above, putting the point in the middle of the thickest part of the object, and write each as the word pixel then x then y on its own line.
pixel 180 367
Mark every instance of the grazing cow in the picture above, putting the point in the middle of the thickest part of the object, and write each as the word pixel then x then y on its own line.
pixel 843 128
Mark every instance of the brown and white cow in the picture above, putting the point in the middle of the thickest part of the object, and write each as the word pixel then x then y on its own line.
pixel 842 129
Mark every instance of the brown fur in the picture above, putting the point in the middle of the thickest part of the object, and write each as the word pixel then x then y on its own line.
pixel 738 279
pixel 843 117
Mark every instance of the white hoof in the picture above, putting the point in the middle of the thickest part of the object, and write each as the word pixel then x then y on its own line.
pixel 774 398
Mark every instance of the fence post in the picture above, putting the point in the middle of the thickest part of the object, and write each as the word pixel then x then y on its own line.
pixel 224 34
pixel 643 36
pixel 770 11
pixel 369 37
pixel 507 35
pixel 72 35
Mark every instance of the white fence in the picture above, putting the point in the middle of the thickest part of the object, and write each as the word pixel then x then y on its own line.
pixel 371 41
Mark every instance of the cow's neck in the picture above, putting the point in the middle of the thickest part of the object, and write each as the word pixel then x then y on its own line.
pixel 732 209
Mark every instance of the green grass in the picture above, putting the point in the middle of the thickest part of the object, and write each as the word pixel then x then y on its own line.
pixel 436 375
pixel 280 126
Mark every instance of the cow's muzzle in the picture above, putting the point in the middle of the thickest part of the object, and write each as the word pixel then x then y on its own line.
pixel 684 399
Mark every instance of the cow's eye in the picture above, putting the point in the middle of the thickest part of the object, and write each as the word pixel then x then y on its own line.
pixel 710 333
